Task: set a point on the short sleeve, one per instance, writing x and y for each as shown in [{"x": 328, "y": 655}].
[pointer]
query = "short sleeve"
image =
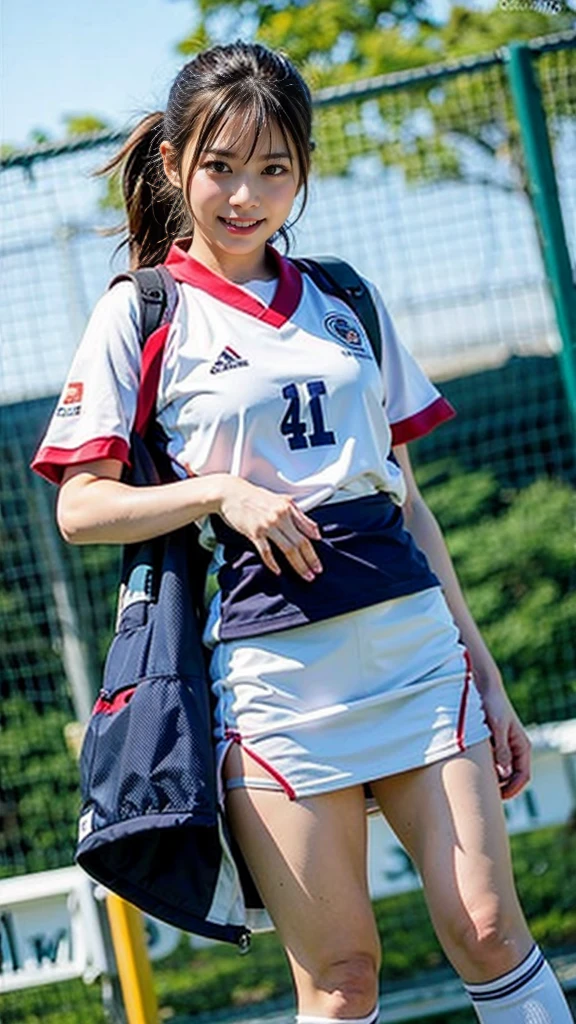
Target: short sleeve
[
  {"x": 413, "y": 405},
  {"x": 97, "y": 407}
]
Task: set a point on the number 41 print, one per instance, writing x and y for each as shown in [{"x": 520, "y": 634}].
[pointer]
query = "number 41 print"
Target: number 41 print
[{"x": 296, "y": 429}]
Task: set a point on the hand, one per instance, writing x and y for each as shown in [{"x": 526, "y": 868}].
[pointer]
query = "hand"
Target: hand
[
  {"x": 264, "y": 516},
  {"x": 510, "y": 742}
]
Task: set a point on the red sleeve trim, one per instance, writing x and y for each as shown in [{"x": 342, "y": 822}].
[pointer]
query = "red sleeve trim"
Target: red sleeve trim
[
  {"x": 51, "y": 462},
  {"x": 421, "y": 423}
]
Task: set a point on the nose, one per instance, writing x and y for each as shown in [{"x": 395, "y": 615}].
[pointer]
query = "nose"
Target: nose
[{"x": 244, "y": 194}]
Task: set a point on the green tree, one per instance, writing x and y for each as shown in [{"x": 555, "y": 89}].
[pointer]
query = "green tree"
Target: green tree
[
  {"x": 459, "y": 129},
  {"x": 335, "y": 41},
  {"x": 84, "y": 124}
]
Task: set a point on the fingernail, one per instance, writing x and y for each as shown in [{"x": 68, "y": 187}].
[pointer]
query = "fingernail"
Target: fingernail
[
  {"x": 309, "y": 576},
  {"x": 504, "y": 770},
  {"x": 317, "y": 567}
]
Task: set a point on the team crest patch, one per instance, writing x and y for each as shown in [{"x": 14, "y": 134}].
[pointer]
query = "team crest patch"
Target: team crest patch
[
  {"x": 71, "y": 403},
  {"x": 344, "y": 329}
]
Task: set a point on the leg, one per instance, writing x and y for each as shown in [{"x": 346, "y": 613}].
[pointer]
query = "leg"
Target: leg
[
  {"x": 449, "y": 817},
  {"x": 308, "y": 859}
]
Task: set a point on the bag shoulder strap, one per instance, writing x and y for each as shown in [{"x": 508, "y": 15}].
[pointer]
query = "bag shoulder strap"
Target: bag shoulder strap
[
  {"x": 157, "y": 295},
  {"x": 336, "y": 277}
]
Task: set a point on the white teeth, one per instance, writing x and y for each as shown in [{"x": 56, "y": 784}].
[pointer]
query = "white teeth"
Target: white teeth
[{"x": 238, "y": 223}]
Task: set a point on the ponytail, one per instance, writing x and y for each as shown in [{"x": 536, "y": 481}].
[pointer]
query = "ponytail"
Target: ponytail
[{"x": 155, "y": 212}]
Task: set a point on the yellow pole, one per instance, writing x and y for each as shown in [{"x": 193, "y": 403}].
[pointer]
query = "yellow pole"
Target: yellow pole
[{"x": 134, "y": 970}]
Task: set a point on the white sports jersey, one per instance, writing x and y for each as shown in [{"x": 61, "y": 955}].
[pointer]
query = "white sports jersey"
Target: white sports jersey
[{"x": 285, "y": 393}]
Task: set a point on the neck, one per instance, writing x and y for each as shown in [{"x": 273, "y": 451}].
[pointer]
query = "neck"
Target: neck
[{"x": 239, "y": 269}]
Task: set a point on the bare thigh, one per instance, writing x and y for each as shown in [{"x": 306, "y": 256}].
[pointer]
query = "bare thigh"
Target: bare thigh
[
  {"x": 308, "y": 860},
  {"x": 449, "y": 817}
]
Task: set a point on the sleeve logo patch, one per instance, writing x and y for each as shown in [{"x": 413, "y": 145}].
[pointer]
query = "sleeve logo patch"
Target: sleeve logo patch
[
  {"x": 344, "y": 329},
  {"x": 73, "y": 393},
  {"x": 71, "y": 403}
]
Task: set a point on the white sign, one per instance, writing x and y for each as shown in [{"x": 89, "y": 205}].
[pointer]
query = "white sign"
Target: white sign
[{"x": 49, "y": 929}]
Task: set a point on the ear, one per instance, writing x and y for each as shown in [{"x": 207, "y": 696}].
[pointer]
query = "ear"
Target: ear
[{"x": 168, "y": 155}]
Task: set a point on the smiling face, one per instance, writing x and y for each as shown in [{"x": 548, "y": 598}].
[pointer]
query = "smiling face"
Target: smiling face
[{"x": 239, "y": 192}]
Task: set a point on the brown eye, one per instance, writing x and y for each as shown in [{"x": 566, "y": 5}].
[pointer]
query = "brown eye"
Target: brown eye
[
  {"x": 218, "y": 166},
  {"x": 275, "y": 170}
]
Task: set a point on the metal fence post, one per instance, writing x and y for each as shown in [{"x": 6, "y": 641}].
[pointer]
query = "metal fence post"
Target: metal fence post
[{"x": 527, "y": 99}]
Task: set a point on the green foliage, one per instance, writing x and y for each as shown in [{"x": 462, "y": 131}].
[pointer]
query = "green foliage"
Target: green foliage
[
  {"x": 112, "y": 197},
  {"x": 39, "y": 137},
  {"x": 518, "y": 570},
  {"x": 69, "y": 1002},
  {"x": 39, "y": 799},
  {"x": 188, "y": 980},
  {"x": 84, "y": 124},
  {"x": 95, "y": 570},
  {"x": 335, "y": 41},
  {"x": 458, "y": 499},
  {"x": 432, "y": 129}
]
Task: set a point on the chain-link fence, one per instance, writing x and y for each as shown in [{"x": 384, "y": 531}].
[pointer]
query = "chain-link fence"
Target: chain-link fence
[{"x": 422, "y": 182}]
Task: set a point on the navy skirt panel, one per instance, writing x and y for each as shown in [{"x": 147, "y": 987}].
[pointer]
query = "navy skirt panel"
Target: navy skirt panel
[{"x": 367, "y": 556}]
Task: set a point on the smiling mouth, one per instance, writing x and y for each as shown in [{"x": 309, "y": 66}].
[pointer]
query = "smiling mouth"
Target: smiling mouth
[{"x": 235, "y": 224}]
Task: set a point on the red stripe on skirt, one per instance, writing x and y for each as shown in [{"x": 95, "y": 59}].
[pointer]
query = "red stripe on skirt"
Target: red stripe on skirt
[
  {"x": 463, "y": 703},
  {"x": 236, "y": 737}
]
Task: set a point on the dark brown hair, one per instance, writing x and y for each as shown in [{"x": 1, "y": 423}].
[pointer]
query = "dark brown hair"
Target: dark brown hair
[{"x": 248, "y": 80}]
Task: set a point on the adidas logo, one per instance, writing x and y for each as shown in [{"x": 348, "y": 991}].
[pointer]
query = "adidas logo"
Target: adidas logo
[{"x": 228, "y": 360}]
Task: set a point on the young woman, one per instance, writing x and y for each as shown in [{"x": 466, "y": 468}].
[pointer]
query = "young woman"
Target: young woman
[{"x": 343, "y": 650}]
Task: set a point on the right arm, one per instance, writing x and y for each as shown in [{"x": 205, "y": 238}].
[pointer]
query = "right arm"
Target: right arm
[{"x": 95, "y": 507}]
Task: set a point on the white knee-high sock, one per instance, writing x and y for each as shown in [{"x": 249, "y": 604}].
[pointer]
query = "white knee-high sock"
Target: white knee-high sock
[
  {"x": 530, "y": 994},
  {"x": 372, "y": 1018}
]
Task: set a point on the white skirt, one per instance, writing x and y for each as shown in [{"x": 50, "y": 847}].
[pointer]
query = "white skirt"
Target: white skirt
[{"x": 350, "y": 699}]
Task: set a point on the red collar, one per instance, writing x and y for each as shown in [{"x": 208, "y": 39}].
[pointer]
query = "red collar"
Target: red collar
[{"x": 184, "y": 267}]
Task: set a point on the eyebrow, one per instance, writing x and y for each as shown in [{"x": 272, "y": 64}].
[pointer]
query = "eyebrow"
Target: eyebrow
[{"x": 267, "y": 156}]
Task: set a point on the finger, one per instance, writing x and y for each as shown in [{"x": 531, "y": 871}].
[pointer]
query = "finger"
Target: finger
[
  {"x": 291, "y": 542},
  {"x": 522, "y": 767},
  {"x": 514, "y": 786},
  {"x": 307, "y": 525},
  {"x": 292, "y": 551},
  {"x": 265, "y": 552},
  {"x": 502, "y": 753}
]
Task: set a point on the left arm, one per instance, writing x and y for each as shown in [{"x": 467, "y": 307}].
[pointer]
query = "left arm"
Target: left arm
[{"x": 509, "y": 739}]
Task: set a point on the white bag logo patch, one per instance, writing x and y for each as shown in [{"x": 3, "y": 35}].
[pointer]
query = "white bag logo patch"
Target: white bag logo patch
[{"x": 86, "y": 824}]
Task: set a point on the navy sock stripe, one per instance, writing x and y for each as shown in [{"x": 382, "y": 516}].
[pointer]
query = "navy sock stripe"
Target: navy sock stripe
[{"x": 511, "y": 987}]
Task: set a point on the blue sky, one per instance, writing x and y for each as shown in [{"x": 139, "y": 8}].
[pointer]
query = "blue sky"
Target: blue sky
[
  {"x": 114, "y": 58},
  {"x": 110, "y": 57}
]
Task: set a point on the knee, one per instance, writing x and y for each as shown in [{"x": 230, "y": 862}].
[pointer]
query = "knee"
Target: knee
[
  {"x": 485, "y": 940},
  {"x": 351, "y": 982}
]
